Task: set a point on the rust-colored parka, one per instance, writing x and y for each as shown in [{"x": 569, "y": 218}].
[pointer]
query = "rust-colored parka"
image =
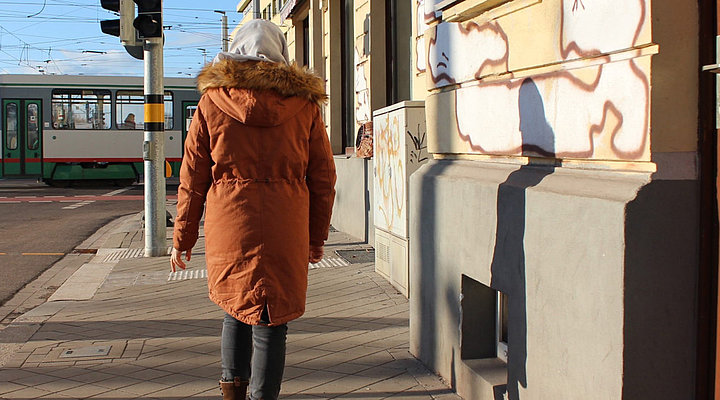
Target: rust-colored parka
[{"x": 258, "y": 156}]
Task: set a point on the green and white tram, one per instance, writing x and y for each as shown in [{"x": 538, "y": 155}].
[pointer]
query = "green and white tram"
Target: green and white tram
[{"x": 62, "y": 128}]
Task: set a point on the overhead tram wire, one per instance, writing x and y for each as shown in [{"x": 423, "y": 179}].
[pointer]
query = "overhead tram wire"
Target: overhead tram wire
[
  {"x": 39, "y": 12},
  {"x": 19, "y": 61},
  {"x": 94, "y": 6},
  {"x": 185, "y": 25}
]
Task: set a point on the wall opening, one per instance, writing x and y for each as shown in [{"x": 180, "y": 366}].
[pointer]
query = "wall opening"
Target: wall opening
[{"x": 483, "y": 328}]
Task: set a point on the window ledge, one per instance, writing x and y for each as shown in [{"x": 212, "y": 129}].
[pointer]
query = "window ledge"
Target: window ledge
[
  {"x": 491, "y": 370},
  {"x": 463, "y": 11}
]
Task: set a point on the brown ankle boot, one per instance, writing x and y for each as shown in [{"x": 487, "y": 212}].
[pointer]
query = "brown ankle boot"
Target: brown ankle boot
[{"x": 235, "y": 389}]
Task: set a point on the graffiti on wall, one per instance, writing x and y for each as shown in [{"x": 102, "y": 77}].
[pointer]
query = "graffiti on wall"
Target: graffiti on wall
[
  {"x": 400, "y": 148},
  {"x": 430, "y": 11},
  {"x": 389, "y": 172},
  {"x": 420, "y": 27},
  {"x": 597, "y": 111},
  {"x": 362, "y": 91},
  {"x": 581, "y": 20},
  {"x": 418, "y": 154}
]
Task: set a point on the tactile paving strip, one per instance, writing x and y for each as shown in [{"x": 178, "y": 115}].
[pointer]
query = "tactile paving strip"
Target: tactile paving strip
[
  {"x": 187, "y": 274},
  {"x": 123, "y": 254}
]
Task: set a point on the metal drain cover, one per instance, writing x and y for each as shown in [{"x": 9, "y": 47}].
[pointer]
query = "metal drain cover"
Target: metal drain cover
[
  {"x": 357, "y": 256},
  {"x": 90, "y": 351}
]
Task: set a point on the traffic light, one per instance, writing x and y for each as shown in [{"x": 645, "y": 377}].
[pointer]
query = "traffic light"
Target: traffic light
[
  {"x": 123, "y": 27},
  {"x": 149, "y": 20}
]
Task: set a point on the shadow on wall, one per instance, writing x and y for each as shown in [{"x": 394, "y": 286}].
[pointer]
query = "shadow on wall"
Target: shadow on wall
[
  {"x": 661, "y": 272},
  {"x": 508, "y": 264}
]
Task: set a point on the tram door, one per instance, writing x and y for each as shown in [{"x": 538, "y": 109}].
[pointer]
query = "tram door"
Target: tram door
[{"x": 22, "y": 137}]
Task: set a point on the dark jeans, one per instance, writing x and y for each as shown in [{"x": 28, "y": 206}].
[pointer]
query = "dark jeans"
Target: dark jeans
[{"x": 256, "y": 352}]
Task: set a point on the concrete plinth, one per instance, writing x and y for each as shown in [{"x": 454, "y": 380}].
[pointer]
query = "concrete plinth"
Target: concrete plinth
[{"x": 598, "y": 268}]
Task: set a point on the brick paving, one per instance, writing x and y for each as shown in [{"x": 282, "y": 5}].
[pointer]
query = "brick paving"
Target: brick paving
[{"x": 134, "y": 331}]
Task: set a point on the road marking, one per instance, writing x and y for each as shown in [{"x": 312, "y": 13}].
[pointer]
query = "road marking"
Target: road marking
[
  {"x": 42, "y": 254},
  {"x": 40, "y": 201},
  {"x": 78, "y": 205},
  {"x": 78, "y": 199},
  {"x": 114, "y": 192}
]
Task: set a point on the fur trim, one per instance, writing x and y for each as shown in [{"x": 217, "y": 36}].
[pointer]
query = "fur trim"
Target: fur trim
[{"x": 286, "y": 80}]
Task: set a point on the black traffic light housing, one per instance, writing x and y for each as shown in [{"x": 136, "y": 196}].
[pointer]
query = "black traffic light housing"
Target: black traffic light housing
[
  {"x": 149, "y": 20},
  {"x": 111, "y": 26},
  {"x": 123, "y": 27}
]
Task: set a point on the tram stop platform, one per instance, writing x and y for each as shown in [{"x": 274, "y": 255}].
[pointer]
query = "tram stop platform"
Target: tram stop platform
[{"x": 121, "y": 326}]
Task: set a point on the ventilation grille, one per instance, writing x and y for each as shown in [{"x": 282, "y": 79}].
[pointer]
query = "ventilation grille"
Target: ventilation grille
[
  {"x": 359, "y": 256},
  {"x": 382, "y": 251}
]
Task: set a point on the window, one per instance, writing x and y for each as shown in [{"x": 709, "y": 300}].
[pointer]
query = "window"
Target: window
[
  {"x": 130, "y": 110},
  {"x": 306, "y": 41},
  {"x": 11, "y": 126},
  {"x": 398, "y": 65},
  {"x": 347, "y": 53},
  {"x": 33, "y": 130},
  {"x": 267, "y": 12},
  {"x": 81, "y": 109},
  {"x": 189, "y": 114}
]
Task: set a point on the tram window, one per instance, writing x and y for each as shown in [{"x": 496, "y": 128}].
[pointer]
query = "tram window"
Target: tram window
[
  {"x": 11, "y": 126},
  {"x": 130, "y": 109},
  {"x": 81, "y": 109},
  {"x": 33, "y": 131}
]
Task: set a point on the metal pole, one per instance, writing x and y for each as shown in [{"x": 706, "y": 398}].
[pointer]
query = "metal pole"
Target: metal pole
[
  {"x": 154, "y": 150},
  {"x": 224, "y": 33}
]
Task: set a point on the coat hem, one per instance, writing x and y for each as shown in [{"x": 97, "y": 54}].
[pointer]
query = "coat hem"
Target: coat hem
[{"x": 254, "y": 321}]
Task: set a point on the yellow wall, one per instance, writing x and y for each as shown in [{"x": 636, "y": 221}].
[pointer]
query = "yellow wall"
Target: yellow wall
[{"x": 675, "y": 76}]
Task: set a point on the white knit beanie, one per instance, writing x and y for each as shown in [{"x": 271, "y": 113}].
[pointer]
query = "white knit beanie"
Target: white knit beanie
[{"x": 257, "y": 40}]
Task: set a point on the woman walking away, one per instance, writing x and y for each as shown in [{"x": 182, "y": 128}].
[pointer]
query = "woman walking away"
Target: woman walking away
[{"x": 257, "y": 156}]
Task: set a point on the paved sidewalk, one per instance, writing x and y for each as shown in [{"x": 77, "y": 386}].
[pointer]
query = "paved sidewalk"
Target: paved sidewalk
[{"x": 122, "y": 327}]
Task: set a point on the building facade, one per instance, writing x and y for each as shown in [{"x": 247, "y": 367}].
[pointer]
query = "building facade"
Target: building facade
[{"x": 563, "y": 233}]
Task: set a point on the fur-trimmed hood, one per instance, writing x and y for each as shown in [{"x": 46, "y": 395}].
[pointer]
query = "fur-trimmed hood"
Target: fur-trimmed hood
[
  {"x": 260, "y": 93},
  {"x": 286, "y": 80}
]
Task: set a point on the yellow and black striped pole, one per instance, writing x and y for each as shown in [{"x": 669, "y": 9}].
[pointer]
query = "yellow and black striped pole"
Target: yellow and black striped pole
[
  {"x": 154, "y": 149},
  {"x": 154, "y": 113}
]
